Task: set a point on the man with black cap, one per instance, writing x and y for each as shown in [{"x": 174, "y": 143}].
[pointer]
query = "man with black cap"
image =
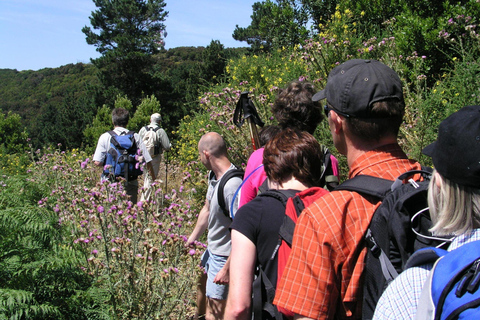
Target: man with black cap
[{"x": 323, "y": 277}]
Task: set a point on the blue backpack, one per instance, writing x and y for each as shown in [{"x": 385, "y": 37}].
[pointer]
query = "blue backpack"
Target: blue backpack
[
  {"x": 451, "y": 290},
  {"x": 122, "y": 157}
]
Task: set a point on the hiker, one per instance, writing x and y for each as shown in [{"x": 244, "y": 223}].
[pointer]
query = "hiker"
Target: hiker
[
  {"x": 293, "y": 108},
  {"x": 454, "y": 201},
  {"x": 156, "y": 141},
  {"x": 323, "y": 276},
  {"x": 120, "y": 119},
  {"x": 291, "y": 161},
  {"x": 254, "y": 169},
  {"x": 213, "y": 155}
]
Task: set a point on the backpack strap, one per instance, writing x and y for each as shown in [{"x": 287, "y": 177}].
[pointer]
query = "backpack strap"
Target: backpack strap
[
  {"x": 263, "y": 293},
  {"x": 328, "y": 180},
  {"x": 286, "y": 229},
  {"x": 367, "y": 185},
  {"x": 236, "y": 172},
  {"x": 263, "y": 187},
  {"x": 241, "y": 185},
  {"x": 377, "y": 188}
]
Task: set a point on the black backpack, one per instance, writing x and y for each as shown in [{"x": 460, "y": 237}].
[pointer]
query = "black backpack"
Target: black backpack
[
  {"x": 236, "y": 172},
  {"x": 399, "y": 227},
  {"x": 263, "y": 291}
]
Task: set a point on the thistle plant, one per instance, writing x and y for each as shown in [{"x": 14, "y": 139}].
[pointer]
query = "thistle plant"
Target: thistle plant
[{"x": 134, "y": 252}]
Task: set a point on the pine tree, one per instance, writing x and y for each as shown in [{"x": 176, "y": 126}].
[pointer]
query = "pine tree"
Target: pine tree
[{"x": 129, "y": 33}]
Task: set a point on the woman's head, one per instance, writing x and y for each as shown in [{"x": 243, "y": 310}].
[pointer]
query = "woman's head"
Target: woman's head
[
  {"x": 454, "y": 191},
  {"x": 294, "y": 108},
  {"x": 454, "y": 209},
  {"x": 293, "y": 153}
]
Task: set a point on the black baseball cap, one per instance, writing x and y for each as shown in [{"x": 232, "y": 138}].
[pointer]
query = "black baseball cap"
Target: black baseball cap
[
  {"x": 456, "y": 153},
  {"x": 354, "y": 85}
]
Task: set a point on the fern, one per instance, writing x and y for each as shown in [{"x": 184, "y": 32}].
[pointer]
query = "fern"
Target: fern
[{"x": 20, "y": 304}]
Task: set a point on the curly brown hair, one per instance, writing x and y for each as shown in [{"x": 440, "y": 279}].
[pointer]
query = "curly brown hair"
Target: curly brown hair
[{"x": 294, "y": 108}]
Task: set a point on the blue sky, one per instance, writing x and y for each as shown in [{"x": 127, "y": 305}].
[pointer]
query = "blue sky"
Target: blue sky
[{"x": 36, "y": 34}]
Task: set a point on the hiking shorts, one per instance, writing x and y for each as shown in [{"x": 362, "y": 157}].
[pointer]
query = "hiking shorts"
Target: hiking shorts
[{"x": 213, "y": 265}]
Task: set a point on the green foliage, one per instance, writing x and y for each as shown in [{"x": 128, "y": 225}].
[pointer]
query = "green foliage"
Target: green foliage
[
  {"x": 54, "y": 105},
  {"x": 13, "y": 136},
  {"x": 127, "y": 26},
  {"x": 274, "y": 25},
  {"x": 39, "y": 277},
  {"x": 147, "y": 107},
  {"x": 129, "y": 33},
  {"x": 101, "y": 123}
]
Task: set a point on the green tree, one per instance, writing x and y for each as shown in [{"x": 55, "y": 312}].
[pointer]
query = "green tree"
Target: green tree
[
  {"x": 274, "y": 25},
  {"x": 147, "y": 107},
  {"x": 130, "y": 32},
  {"x": 214, "y": 61},
  {"x": 12, "y": 133}
]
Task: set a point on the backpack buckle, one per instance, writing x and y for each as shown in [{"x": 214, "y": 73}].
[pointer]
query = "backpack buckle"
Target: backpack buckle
[{"x": 372, "y": 244}]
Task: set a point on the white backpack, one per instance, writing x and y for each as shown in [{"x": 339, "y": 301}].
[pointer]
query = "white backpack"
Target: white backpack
[{"x": 150, "y": 139}]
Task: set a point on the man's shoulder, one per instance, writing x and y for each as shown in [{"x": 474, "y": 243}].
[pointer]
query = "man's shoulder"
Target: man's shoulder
[{"x": 233, "y": 182}]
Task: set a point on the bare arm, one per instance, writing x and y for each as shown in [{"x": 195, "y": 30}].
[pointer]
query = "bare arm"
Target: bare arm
[
  {"x": 223, "y": 276},
  {"x": 201, "y": 226},
  {"x": 242, "y": 269}
]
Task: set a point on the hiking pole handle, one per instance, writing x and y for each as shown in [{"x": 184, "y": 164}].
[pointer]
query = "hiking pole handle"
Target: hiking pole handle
[{"x": 245, "y": 110}]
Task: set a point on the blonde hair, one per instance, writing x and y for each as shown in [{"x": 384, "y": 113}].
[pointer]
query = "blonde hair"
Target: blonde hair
[{"x": 454, "y": 209}]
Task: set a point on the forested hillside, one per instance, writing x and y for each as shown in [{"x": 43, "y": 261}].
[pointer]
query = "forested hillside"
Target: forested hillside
[{"x": 57, "y": 104}]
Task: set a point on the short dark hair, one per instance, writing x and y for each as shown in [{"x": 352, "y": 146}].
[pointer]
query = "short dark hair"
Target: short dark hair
[
  {"x": 267, "y": 133},
  {"x": 386, "y": 119},
  {"x": 120, "y": 117},
  {"x": 293, "y": 152},
  {"x": 294, "y": 108}
]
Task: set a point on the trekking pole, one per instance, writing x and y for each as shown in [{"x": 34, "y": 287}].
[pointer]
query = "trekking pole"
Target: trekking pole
[
  {"x": 246, "y": 106},
  {"x": 166, "y": 171}
]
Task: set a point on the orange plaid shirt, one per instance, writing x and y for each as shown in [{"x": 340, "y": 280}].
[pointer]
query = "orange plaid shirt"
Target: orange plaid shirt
[{"x": 323, "y": 276}]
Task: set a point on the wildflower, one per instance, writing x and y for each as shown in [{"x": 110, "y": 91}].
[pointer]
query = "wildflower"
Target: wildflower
[
  {"x": 191, "y": 252},
  {"x": 100, "y": 209}
]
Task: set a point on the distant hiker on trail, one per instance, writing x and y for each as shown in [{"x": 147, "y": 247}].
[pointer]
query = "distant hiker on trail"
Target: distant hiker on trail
[
  {"x": 454, "y": 202},
  {"x": 118, "y": 152},
  {"x": 292, "y": 161},
  {"x": 216, "y": 218},
  {"x": 156, "y": 141},
  {"x": 323, "y": 276}
]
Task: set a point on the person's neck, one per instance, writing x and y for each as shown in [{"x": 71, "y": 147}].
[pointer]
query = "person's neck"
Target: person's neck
[
  {"x": 220, "y": 166},
  {"x": 355, "y": 150},
  {"x": 291, "y": 184}
]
